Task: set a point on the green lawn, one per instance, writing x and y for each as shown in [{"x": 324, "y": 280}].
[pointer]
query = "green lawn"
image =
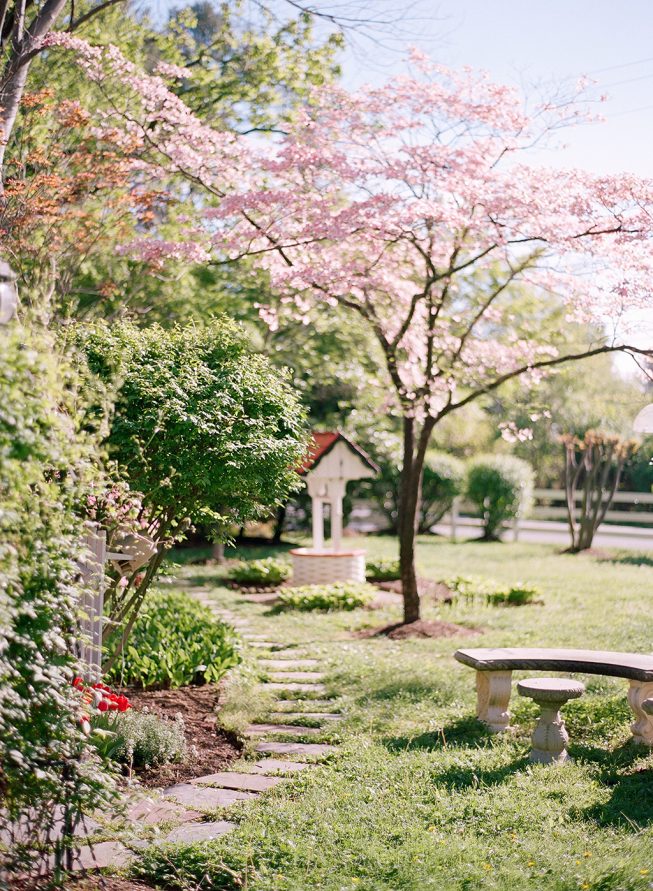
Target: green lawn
[{"x": 419, "y": 795}]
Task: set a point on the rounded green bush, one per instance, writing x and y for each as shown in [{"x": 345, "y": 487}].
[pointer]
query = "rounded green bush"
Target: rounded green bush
[
  {"x": 268, "y": 571},
  {"x": 501, "y": 486},
  {"x": 442, "y": 480},
  {"x": 327, "y": 598}
]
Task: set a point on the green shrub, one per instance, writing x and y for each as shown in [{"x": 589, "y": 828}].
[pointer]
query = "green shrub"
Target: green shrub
[
  {"x": 443, "y": 479},
  {"x": 327, "y": 598},
  {"x": 139, "y": 739},
  {"x": 175, "y": 641},
  {"x": 204, "y": 428},
  {"x": 472, "y": 588},
  {"x": 501, "y": 486},
  {"x": 49, "y": 775},
  {"x": 268, "y": 571},
  {"x": 383, "y": 570}
]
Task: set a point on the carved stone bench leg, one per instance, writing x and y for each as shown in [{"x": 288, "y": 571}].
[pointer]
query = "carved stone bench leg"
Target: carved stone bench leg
[
  {"x": 643, "y": 725},
  {"x": 493, "y": 690}
]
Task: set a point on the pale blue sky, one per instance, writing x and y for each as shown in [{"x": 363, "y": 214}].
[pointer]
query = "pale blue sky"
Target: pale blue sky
[{"x": 523, "y": 43}]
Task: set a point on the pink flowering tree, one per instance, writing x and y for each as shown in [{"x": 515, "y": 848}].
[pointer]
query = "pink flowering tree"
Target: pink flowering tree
[{"x": 414, "y": 206}]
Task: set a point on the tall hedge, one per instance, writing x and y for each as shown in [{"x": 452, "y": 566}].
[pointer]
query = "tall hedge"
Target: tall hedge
[{"x": 48, "y": 774}]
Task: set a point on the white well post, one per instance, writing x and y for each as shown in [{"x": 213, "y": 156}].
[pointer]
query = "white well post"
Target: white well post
[{"x": 327, "y": 479}]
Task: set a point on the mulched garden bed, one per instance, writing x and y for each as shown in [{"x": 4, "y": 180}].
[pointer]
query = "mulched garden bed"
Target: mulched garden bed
[
  {"x": 421, "y": 628},
  {"x": 251, "y": 587},
  {"x": 83, "y": 883},
  {"x": 210, "y": 748}
]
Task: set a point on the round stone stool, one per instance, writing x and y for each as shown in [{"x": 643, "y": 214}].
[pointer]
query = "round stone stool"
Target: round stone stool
[{"x": 550, "y": 737}]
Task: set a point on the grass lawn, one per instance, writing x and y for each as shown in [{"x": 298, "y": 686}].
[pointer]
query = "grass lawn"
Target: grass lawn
[{"x": 419, "y": 796}]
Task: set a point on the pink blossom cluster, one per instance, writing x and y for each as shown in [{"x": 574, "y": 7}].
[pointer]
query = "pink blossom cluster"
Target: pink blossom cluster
[{"x": 412, "y": 204}]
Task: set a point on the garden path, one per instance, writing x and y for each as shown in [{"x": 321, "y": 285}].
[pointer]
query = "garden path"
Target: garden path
[{"x": 184, "y": 809}]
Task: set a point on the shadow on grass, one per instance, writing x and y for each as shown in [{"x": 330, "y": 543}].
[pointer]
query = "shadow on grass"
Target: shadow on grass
[
  {"x": 630, "y": 805},
  {"x": 631, "y": 560},
  {"x": 467, "y": 733}
]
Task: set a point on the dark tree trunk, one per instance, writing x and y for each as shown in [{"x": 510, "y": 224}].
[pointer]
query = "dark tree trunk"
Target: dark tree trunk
[
  {"x": 278, "y": 526},
  {"x": 414, "y": 452}
]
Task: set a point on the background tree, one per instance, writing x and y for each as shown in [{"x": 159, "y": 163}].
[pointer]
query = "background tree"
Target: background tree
[
  {"x": 407, "y": 204},
  {"x": 593, "y": 467}
]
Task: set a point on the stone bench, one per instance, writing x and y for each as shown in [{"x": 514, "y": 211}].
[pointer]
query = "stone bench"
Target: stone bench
[{"x": 494, "y": 668}]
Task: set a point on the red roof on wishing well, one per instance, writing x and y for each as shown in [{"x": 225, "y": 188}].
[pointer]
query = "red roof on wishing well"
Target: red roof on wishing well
[{"x": 322, "y": 443}]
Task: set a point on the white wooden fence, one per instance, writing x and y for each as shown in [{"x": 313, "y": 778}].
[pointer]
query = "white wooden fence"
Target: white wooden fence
[
  {"x": 92, "y": 605},
  {"x": 550, "y": 504}
]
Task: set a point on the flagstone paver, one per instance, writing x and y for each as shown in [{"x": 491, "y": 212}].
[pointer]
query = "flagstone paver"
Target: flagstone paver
[
  {"x": 278, "y": 676},
  {"x": 194, "y": 832},
  {"x": 205, "y": 798},
  {"x": 149, "y": 812},
  {"x": 289, "y": 664},
  {"x": 313, "y": 716},
  {"x": 247, "y": 782},
  {"x": 103, "y": 855},
  {"x": 293, "y": 748},
  {"x": 284, "y": 705},
  {"x": 275, "y": 765},
  {"x": 298, "y": 730},
  {"x": 293, "y": 687}
]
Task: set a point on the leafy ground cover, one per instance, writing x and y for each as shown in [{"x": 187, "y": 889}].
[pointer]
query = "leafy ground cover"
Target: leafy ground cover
[{"x": 419, "y": 796}]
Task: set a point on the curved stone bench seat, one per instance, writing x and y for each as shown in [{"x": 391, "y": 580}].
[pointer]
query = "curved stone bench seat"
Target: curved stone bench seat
[
  {"x": 494, "y": 667},
  {"x": 550, "y": 736}
]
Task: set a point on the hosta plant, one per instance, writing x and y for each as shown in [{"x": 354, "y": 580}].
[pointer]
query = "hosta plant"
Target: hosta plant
[{"x": 176, "y": 641}]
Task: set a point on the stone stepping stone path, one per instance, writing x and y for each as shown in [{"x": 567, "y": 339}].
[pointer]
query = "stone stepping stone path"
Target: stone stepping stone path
[
  {"x": 287, "y": 671},
  {"x": 275, "y": 765},
  {"x": 293, "y": 748},
  {"x": 289, "y": 664},
  {"x": 281, "y": 676},
  {"x": 206, "y": 798},
  {"x": 295, "y": 687},
  {"x": 246, "y": 782},
  {"x": 296, "y": 729},
  {"x": 284, "y": 705},
  {"x": 194, "y": 832}
]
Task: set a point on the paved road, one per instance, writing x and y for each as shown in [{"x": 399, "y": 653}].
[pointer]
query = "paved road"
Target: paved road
[{"x": 551, "y": 532}]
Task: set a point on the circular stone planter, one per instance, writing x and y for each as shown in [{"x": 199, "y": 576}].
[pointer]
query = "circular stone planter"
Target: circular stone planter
[{"x": 321, "y": 567}]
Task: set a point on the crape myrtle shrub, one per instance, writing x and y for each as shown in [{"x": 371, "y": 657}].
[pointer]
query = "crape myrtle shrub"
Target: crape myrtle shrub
[
  {"x": 48, "y": 772},
  {"x": 206, "y": 430},
  {"x": 501, "y": 486}
]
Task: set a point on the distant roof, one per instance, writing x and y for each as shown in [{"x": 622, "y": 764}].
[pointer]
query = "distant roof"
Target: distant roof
[{"x": 322, "y": 445}]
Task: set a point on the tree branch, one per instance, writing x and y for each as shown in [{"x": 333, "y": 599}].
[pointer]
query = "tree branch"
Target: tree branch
[{"x": 544, "y": 363}]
